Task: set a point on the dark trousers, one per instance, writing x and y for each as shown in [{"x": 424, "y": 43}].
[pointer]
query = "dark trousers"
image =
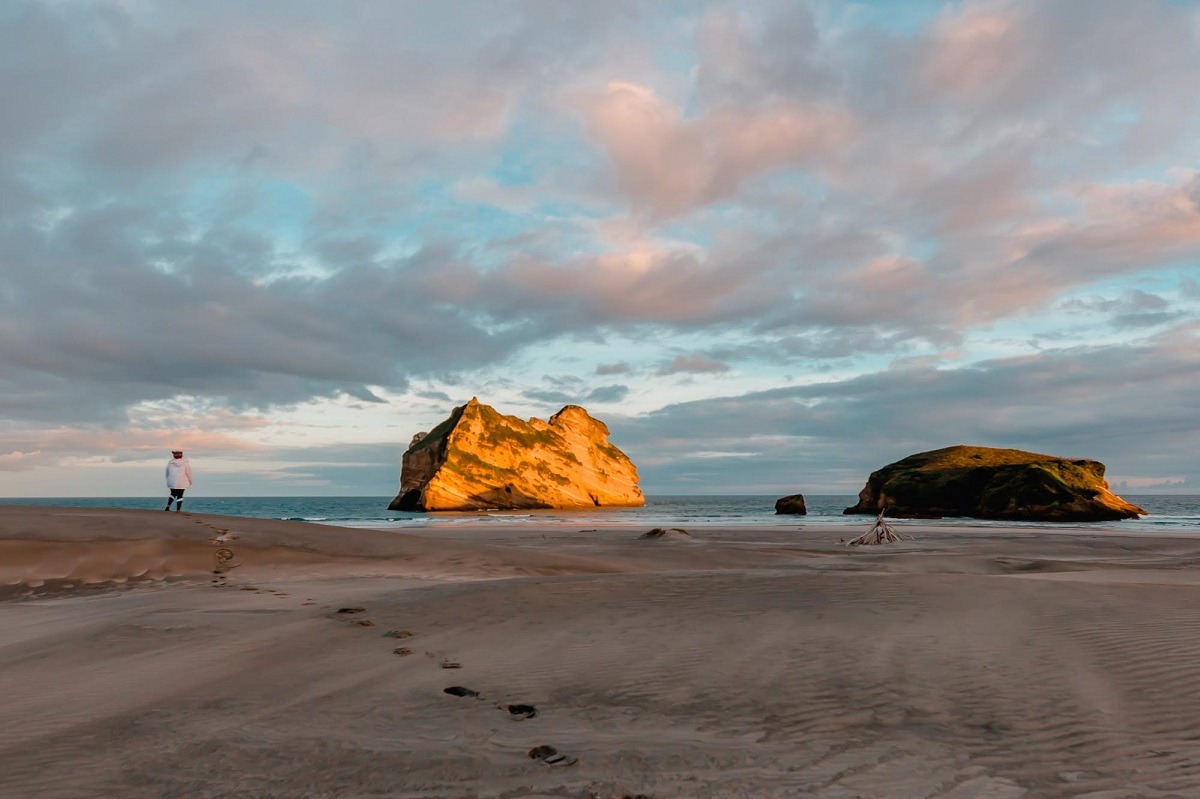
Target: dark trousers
[{"x": 177, "y": 497}]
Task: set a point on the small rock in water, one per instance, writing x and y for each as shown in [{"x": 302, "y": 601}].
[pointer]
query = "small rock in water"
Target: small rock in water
[{"x": 791, "y": 504}]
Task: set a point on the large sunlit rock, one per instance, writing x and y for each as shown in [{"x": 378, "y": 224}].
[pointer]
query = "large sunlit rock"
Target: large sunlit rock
[{"x": 479, "y": 458}]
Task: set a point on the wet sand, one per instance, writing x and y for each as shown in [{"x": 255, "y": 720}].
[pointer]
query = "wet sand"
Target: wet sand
[{"x": 972, "y": 662}]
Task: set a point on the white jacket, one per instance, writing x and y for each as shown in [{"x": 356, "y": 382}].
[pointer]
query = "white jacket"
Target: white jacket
[{"x": 179, "y": 473}]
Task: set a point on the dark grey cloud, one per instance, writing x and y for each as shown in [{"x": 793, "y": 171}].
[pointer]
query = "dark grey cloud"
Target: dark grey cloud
[
  {"x": 567, "y": 390},
  {"x": 1190, "y": 289},
  {"x": 1132, "y": 406},
  {"x": 1134, "y": 309},
  {"x": 608, "y": 394},
  {"x": 91, "y": 305}
]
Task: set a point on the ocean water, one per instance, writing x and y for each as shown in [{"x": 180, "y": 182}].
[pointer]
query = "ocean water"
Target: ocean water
[{"x": 1166, "y": 513}]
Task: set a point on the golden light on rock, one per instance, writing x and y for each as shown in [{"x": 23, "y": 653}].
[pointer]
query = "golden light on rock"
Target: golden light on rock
[{"x": 481, "y": 459}]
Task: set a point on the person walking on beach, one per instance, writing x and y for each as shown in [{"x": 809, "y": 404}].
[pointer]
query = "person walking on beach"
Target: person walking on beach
[{"x": 179, "y": 478}]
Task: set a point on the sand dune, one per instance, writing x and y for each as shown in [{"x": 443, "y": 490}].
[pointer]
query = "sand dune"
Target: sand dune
[{"x": 753, "y": 663}]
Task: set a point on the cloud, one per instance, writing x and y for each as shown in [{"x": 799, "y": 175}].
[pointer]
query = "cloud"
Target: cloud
[
  {"x": 17, "y": 461},
  {"x": 143, "y": 87},
  {"x": 749, "y": 58},
  {"x": 668, "y": 165},
  {"x": 256, "y": 207},
  {"x": 152, "y": 433},
  {"x": 619, "y": 368},
  {"x": 129, "y": 330},
  {"x": 644, "y": 283},
  {"x": 575, "y": 391},
  {"x": 971, "y": 47},
  {"x": 1136, "y": 308},
  {"x": 692, "y": 364},
  {"x": 1189, "y": 289},
  {"x": 1071, "y": 402},
  {"x": 608, "y": 394}
]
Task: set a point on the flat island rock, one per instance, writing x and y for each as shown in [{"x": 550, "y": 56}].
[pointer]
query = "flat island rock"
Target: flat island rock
[
  {"x": 481, "y": 459},
  {"x": 990, "y": 483}
]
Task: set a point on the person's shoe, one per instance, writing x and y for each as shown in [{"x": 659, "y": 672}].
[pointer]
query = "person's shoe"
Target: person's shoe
[{"x": 177, "y": 509}]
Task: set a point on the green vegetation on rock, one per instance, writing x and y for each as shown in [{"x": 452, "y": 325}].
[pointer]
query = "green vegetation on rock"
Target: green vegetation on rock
[
  {"x": 440, "y": 431},
  {"x": 991, "y": 483}
]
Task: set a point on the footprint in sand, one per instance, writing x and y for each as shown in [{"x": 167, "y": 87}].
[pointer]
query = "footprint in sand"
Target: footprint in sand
[
  {"x": 551, "y": 756},
  {"x": 397, "y": 634},
  {"x": 446, "y": 663},
  {"x": 460, "y": 690},
  {"x": 671, "y": 532},
  {"x": 520, "y": 712},
  {"x": 402, "y": 651},
  {"x": 351, "y": 610}
]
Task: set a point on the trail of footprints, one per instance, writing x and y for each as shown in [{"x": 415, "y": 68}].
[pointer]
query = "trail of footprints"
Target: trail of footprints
[
  {"x": 543, "y": 753},
  {"x": 224, "y": 560}
]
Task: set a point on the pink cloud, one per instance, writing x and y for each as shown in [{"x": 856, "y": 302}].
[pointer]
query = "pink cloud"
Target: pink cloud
[
  {"x": 17, "y": 461},
  {"x": 1118, "y": 228},
  {"x": 151, "y": 433},
  {"x": 971, "y": 47},
  {"x": 692, "y": 364},
  {"x": 1144, "y": 218},
  {"x": 667, "y": 164},
  {"x": 643, "y": 282}
]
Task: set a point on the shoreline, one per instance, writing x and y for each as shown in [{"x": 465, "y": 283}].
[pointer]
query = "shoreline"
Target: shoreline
[
  {"x": 1174, "y": 513},
  {"x": 47, "y": 546},
  {"x": 972, "y": 663}
]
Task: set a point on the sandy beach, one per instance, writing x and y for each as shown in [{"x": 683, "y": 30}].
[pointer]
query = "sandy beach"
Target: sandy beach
[{"x": 972, "y": 662}]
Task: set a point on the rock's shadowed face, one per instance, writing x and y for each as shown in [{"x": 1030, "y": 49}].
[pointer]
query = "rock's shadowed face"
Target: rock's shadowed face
[{"x": 991, "y": 483}]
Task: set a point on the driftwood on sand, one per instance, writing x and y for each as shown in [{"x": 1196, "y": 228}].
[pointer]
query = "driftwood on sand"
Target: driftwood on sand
[{"x": 880, "y": 533}]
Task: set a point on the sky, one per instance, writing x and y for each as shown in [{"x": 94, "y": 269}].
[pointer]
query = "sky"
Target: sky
[{"x": 773, "y": 245}]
